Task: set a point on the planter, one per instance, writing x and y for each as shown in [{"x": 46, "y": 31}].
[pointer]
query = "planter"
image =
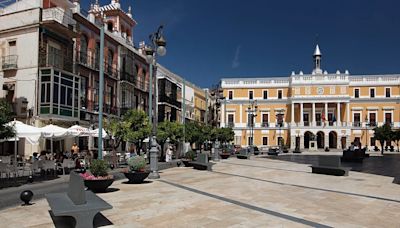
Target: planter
[
  {"x": 98, "y": 185},
  {"x": 224, "y": 155},
  {"x": 136, "y": 177},
  {"x": 187, "y": 163}
]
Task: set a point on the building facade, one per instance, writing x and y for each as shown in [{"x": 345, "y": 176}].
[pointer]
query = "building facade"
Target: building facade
[{"x": 332, "y": 110}]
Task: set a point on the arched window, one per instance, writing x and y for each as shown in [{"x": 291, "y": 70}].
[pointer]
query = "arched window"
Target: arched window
[{"x": 110, "y": 58}]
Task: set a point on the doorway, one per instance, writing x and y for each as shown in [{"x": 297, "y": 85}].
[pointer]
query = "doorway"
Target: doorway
[{"x": 320, "y": 140}]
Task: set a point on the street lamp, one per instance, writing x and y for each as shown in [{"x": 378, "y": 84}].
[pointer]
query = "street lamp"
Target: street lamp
[
  {"x": 157, "y": 43},
  {"x": 366, "y": 132},
  {"x": 252, "y": 111}
]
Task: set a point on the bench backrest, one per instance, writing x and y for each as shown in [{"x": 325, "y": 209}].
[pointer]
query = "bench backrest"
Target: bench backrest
[
  {"x": 329, "y": 161},
  {"x": 202, "y": 158},
  {"x": 76, "y": 189}
]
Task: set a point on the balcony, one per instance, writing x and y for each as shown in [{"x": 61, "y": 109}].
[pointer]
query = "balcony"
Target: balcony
[
  {"x": 306, "y": 123},
  {"x": 389, "y": 124},
  {"x": 372, "y": 124},
  {"x": 231, "y": 124},
  {"x": 169, "y": 100},
  {"x": 356, "y": 124},
  {"x": 264, "y": 124},
  {"x": 319, "y": 123},
  {"x": 88, "y": 58},
  {"x": 142, "y": 85},
  {"x": 57, "y": 60},
  {"x": 110, "y": 70},
  {"x": 128, "y": 77},
  {"x": 107, "y": 109},
  {"x": 330, "y": 123},
  {"x": 250, "y": 125},
  {"x": 9, "y": 62},
  {"x": 59, "y": 15},
  {"x": 280, "y": 124}
]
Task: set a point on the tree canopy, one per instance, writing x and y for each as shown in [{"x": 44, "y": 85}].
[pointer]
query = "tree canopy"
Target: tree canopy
[
  {"x": 382, "y": 134},
  {"x": 6, "y": 131},
  {"x": 133, "y": 127},
  {"x": 171, "y": 130}
]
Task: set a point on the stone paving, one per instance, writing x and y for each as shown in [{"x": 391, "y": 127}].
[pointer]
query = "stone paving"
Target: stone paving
[{"x": 241, "y": 193}]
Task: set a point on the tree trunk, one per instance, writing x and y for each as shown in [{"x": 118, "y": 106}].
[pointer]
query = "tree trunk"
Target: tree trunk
[{"x": 382, "y": 142}]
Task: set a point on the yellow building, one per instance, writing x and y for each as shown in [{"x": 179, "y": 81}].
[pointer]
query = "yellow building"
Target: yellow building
[
  {"x": 328, "y": 110},
  {"x": 200, "y": 105}
]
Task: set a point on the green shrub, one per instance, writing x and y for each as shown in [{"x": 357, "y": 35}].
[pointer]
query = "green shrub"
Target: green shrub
[
  {"x": 137, "y": 163},
  {"x": 99, "y": 168},
  {"x": 190, "y": 155}
]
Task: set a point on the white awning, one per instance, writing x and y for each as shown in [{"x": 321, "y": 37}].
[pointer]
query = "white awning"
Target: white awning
[{"x": 30, "y": 133}]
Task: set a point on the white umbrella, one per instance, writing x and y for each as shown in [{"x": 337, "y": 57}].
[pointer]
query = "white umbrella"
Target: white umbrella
[
  {"x": 30, "y": 133},
  {"x": 77, "y": 130},
  {"x": 95, "y": 133},
  {"x": 53, "y": 131}
]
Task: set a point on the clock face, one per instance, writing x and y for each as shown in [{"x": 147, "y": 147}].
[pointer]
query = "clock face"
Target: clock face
[{"x": 320, "y": 90}]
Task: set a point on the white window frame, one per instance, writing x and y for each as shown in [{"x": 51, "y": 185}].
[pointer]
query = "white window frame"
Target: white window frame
[
  {"x": 227, "y": 119},
  {"x": 355, "y": 112},
  {"x": 277, "y": 94},
  {"x": 376, "y": 116},
  {"x": 359, "y": 92},
  {"x": 390, "y": 92},
  {"x": 232, "y": 94},
  {"x": 263, "y": 140},
  {"x": 269, "y": 116},
  {"x": 391, "y": 116},
  {"x": 369, "y": 91},
  {"x": 265, "y": 90},
  {"x": 248, "y": 94}
]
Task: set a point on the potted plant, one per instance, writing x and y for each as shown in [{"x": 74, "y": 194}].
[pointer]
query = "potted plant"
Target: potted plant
[
  {"x": 225, "y": 154},
  {"x": 391, "y": 148},
  {"x": 98, "y": 179},
  {"x": 285, "y": 149},
  {"x": 189, "y": 156},
  {"x": 136, "y": 172},
  {"x": 376, "y": 148},
  {"x": 326, "y": 149}
]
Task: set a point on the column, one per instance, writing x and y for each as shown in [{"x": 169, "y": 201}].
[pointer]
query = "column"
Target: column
[
  {"x": 313, "y": 115},
  {"x": 292, "y": 113},
  {"x": 326, "y": 112},
  {"x": 338, "y": 115},
  {"x": 292, "y": 141},
  {"x": 301, "y": 115},
  {"x": 348, "y": 113}
]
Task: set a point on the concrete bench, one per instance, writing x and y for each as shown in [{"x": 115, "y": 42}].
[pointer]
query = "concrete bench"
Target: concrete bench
[
  {"x": 243, "y": 154},
  {"x": 80, "y": 204},
  {"x": 330, "y": 165},
  {"x": 273, "y": 151},
  {"x": 354, "y": 156},
  {"x": 202, "y": 163}
]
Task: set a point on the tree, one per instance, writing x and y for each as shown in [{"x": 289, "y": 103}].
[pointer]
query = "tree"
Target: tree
[
  {"x": 195, "y": 134},
  {"x": 133, "y": 127},
  {"x": 6, "y": 131},
  {"x": 171, "y": 130},
  {"x": 396, "y": 138},
  {"x": 224, "y": 135},
  {"x": 382, "y": 134}
]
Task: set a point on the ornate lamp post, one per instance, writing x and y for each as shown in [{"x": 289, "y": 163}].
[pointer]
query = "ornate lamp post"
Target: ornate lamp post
[
  {"x": 252, "y": 111},
  {"x": 157, "y": 43},
  {"x": 366, "y": 131}
]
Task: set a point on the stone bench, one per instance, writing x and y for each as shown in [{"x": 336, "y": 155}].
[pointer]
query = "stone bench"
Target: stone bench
[
  {"x": 354, "y": 156},
  {"x": 273, "y": 151},
  {"x": 330, "y": 165},
  {"x": 80, "y": 204},
  {"x": 243, "y": 154},
  {"x": 202, "y": 163}
]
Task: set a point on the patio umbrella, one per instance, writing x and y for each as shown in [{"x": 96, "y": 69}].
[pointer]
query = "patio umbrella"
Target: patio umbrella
[
  {"x": 53, "y": 131},
  {"x": 95, "y": 133},
  {"x": 30, "y": 133},
  {"x": 77, "y": 130}
]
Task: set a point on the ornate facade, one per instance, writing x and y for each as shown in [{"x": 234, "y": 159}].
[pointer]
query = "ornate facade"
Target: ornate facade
[{"x": 334, "y": 109}]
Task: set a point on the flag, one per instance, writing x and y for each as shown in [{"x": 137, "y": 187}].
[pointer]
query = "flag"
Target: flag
[
  {"x": 334, "y": 118},
  {"x": 323, "y": 117}
]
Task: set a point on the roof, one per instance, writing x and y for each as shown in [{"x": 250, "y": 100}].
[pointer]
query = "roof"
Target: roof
[{"x": 317, "y": 52}]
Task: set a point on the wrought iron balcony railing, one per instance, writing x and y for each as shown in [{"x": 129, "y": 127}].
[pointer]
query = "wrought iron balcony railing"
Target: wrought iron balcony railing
[{"x": 9, "y": 62}]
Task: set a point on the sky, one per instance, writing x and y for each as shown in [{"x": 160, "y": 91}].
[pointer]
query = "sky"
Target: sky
[{"x": 212, "y": 39}]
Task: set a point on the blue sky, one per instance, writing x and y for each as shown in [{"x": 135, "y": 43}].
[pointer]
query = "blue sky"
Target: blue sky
[{"x": 211, "y": 39}]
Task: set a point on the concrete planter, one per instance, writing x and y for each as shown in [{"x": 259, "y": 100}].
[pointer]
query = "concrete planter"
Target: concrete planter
[
  {"x": 98, "y": 185},
  {"x": 136, "y": 177},
  {"x": 224, "y": 155}
]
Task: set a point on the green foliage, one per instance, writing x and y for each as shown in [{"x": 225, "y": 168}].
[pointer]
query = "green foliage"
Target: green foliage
[
  {"x": 224, "y": 135},
  {"x": 195, "y": 133},
  {"x": 137, "y": 163},
  {"x": 382, "y": 134},
  {"x": 190, "y": 155},
  {"x": 171, "y": 130},
  {"x": 396, "y": 138},
  {"x": 133, "y": 127},
  {"x": 6, "y": 131},
  {"x": 99, "y": 168}
]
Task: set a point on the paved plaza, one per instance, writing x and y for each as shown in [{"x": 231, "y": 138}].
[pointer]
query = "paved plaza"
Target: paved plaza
[{"x": 259, "y": 192}]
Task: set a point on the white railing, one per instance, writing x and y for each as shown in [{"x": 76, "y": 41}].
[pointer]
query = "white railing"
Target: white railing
[{"x": 59, "y": 15}]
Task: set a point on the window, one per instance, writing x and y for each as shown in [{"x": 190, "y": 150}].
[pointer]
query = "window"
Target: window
[
  {"x": 356, "y": 119},
  {"x": 356, "y": 93},
  {"x": 387, "y": 92},
  {"x": 372, "y": 119},
  {"x": 12, "y": 47},
  {"x": 265, "y": 94},
  {"x": 265, "y": 141},
  {"x": 372, "y": 92},
  {"x": 279, "y": 118},
  {"x": 265, "y": 120},
  {"x": 251, "y": 95},
  {"x": 230, "y": 95},
  {"x": 230, "y": 120},
  {"x": 279, "y": 94},
  {"x": 388, "y": 118},
  {"x": 110, "y": 26}
]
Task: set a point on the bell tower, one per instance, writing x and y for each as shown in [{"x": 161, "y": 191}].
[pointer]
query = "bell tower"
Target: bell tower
[{"x": 317, "y": 61}]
